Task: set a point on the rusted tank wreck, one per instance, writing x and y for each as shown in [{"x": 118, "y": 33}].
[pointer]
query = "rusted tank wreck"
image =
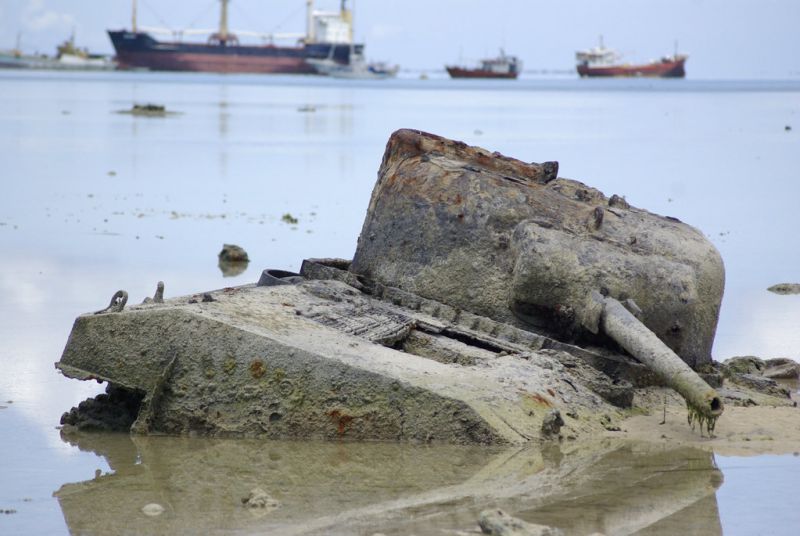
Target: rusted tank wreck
[{"x": 488, "y": 301}]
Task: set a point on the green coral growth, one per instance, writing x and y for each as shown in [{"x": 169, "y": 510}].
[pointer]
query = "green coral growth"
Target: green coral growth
[{"x": 697, "y": 416}]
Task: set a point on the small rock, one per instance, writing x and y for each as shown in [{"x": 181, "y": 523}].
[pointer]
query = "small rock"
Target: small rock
[
  {"x": 761, "y": 384},
  {"x": 259, "y": 498},
  {"x": 618, "y": 202},
  {"x": 782, "y": 369},
  {"x": 233, "y": 253},
  {"x": 552, "y": 423},
  {"x": 233, "y": 260},
  {"x": 498, "y": 523},
  {"x": 747, "y": 364},
  {"x": 713, "y": 379},
  {"x": 152, "y": 509}
]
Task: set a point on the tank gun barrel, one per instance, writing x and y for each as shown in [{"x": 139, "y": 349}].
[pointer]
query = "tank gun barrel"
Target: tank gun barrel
[{"x": 623, "y": 327}]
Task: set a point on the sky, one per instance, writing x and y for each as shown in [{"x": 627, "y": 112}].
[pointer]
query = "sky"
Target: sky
[{"x": 727, "y": 39}]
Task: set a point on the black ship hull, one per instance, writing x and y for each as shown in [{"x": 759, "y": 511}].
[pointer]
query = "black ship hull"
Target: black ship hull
[{"x": 139, "y": 50}]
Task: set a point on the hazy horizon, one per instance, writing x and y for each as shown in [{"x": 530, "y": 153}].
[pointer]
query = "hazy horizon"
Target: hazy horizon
[{"x": 724, "y": 39}]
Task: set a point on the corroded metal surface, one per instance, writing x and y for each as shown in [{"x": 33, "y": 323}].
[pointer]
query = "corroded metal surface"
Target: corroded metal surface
[
  {"x": 508, "y": 240},
  {"x": 321, "y": 359}
]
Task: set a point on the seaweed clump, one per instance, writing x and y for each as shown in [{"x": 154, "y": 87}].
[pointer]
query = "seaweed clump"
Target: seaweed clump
[
  {"x": 696, "y": 416},
  {"x": 112, "y": 411}
]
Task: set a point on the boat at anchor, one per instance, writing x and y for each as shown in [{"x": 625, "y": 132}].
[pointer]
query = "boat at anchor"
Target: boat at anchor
[
  {"x": 503, "y": 66},
  {"x": 328, "y": 35},
  {"x": 601, "y": 61},
  {"x": 357, "y": 69}
]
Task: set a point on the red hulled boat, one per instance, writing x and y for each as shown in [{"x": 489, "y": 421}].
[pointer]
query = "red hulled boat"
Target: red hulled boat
[{"x": 605, "y": 62}]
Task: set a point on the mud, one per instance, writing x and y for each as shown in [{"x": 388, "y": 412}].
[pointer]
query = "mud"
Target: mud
[{"x": 753, "y": 423}]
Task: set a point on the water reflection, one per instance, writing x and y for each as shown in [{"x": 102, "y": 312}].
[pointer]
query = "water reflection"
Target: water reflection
[
  {"x": 349, "y": 488},
  {"x": 232, "y": 269}
]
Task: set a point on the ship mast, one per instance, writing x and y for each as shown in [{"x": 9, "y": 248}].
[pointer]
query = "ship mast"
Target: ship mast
[
  {"x": 223, "y": 21},
  {"x": 133, "y": 17},
  {"x": 347, "y": 16},
  {"x": 310, "y": 38}
]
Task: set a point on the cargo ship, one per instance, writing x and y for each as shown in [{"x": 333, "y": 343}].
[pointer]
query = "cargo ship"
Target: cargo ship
[
  {"x": 502, "y": 66},
  {"x": 329, "y": 35},
  {"x": 600, "y": 61}
]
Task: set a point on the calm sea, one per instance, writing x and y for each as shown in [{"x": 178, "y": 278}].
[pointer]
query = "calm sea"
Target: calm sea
[{"x": 94, "y": 200}]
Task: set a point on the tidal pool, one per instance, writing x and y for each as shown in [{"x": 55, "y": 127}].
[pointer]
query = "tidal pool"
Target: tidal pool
[{"x": 94, "y": 201}]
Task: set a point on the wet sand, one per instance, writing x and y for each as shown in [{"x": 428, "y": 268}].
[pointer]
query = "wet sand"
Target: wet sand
[{"x": 740, "y": 431}]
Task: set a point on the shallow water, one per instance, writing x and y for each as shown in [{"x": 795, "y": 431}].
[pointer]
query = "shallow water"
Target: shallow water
[{"x": 94, "y": 201}]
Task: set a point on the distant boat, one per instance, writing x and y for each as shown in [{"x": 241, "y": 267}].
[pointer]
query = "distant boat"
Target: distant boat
[
  {"x": 600, "y": 61},
  {"x": 68, "y": 57},
  {"x": 357, "y": 68},
  {"x": 328, "y": 35},
  {"x": 502, "y": 66}
]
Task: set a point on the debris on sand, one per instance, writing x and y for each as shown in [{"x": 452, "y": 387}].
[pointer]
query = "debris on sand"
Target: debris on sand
[
  {"x": 785, "y": 288},
  {"x": 152, "y": 509},
  {"x": 259, "y": 498},
  {"x": 498, "y": 523}
]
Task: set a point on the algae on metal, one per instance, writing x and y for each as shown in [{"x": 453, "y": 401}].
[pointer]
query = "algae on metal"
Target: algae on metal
[
  {"x": 512, "y": 241},
  {"x": 317, "y": 360}
]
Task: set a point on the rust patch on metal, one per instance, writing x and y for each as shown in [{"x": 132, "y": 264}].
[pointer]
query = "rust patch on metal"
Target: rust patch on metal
[
  {"x": 342, "y": 420},
  {"x": 536, "y": 398},
  {"x": 257, "y": 368}
]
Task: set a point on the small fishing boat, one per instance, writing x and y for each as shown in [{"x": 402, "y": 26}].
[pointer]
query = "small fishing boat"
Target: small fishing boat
[
  {"x": 69, "y": 57},
  {"x": 358, "y": 68}
]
